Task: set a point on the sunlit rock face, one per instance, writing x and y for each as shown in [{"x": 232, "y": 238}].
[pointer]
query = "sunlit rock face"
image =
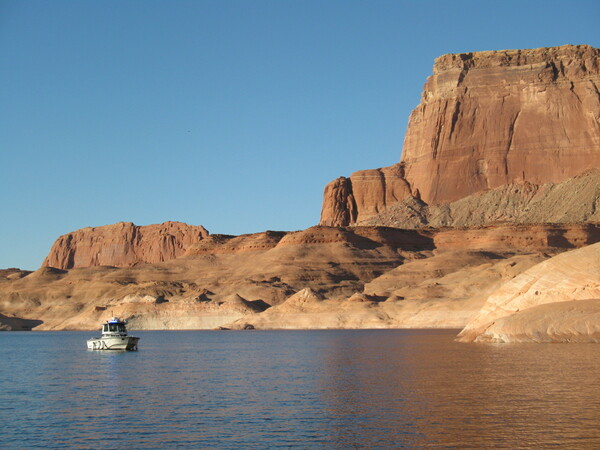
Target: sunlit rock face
[
  {"x": 489, "y": 119},
  {"x": 123, "y": 244},
  {"x": 362, "y": 277}
]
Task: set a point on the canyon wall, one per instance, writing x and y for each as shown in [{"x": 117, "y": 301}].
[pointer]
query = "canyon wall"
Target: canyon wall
[
  {"x": 486, "y": 119},
  {"x": 500, "y": 172},
  {"x": 123, "y": 244}
]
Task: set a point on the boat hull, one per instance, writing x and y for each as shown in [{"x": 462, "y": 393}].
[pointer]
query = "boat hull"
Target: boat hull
[{"x": 113, "y": 343}]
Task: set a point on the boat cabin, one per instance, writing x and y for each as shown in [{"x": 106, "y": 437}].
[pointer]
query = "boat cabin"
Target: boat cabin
[
  {"x": 114, "y": 337},
  {"x": 114, "y": 326}
]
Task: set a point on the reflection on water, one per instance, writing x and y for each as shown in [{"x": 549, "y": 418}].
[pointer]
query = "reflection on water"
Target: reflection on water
[{"x": 385, "y": 388}]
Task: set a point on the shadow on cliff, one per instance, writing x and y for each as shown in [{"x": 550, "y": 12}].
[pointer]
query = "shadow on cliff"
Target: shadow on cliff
[
  {"x": 559, "y": 239},
  {"x": 368, "y": 238},
  {"x": 18, "y": 324}
]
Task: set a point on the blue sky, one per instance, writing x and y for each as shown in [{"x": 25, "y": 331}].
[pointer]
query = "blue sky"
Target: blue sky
[{"x": 232, "y": 114}]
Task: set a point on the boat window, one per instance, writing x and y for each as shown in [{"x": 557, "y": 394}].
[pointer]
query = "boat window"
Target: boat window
[
  {"x": 112, "y": 327},
  {"x": 105, "y": 327},
  {"x": 121, "y": 328}
]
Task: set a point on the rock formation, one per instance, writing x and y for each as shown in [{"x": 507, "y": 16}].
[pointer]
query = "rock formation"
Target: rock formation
[
  {"x": 17, "y": 324},
  {"x": 500, "y": 173},
  {"x": 209, "y": 286},
  {"x": 486, "y": 120},
  {"x": 123, "y": 244},
  {"x": 364, "y": 194},
  {"x": 576, "y": 200},
  {"x": 542, "y": 303},
  {"x": 518, "y": 238},
  {"x": 321, "y": 277}
]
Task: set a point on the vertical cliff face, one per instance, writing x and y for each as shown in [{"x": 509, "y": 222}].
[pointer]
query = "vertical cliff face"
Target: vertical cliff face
[
  {"x": 123, "y": 244},
  {"x": 489, "y": 119},
  {"x": 492, "y": 118}
]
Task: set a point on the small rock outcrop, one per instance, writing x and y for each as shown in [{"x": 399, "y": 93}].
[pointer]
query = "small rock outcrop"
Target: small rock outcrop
[
  {"x": 486, "y": 120},
  {"x": 123, "y": 244}
]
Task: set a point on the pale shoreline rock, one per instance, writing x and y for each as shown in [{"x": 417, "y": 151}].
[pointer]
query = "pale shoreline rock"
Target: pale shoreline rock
[
  {"x": 530, "y": 303},
  {"x": 575, "y": 321}
]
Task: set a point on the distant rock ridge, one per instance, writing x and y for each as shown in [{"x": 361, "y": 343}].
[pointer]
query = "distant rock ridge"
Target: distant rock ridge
[
  {"x": 123, "y": 244},
  {"x": 127, "y": 245},
  {"x": 486, "y": 120}
]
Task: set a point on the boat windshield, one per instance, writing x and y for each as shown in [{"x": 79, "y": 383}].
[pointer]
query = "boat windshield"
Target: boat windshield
[{"x": 114, "y": 327}]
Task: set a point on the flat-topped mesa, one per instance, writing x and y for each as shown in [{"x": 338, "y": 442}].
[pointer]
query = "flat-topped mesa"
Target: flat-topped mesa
[
  {"x": 488, "y": 119},
  {"x": 123, "y": 245}
]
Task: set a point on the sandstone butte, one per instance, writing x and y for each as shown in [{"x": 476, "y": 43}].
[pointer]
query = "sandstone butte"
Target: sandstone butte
[
  {"x": 498, "y": 186},
  {"x": 123, "y": 244},
  {"x": 486, "y": 120}
]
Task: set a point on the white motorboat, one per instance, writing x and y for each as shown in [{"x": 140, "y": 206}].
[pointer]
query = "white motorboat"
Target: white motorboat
[{"x": 114, "y": 337}]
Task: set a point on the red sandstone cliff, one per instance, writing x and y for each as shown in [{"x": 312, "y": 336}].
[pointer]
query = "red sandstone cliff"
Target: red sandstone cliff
[
  {"x": 486, "y": 119},
  {"x": 123, "y": 244}
]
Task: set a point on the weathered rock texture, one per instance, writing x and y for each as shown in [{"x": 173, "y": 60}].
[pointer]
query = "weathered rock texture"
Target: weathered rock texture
[
  {"x": 123, "y": 244},
  {"x": 440, "y": 291},
  {"x": 486, "y": 120},
  {"x": 541, "y": 304},
  {"x": 517, "y": 238}
]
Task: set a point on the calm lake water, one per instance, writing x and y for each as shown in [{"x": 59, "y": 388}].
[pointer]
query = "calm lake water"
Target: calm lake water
[{"x": 307, "y": 389}]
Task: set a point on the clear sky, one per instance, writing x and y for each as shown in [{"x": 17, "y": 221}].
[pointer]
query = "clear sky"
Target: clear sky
[{"x": 232, "y": 114}]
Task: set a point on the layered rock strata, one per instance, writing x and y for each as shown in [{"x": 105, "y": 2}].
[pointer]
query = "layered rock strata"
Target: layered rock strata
[
  {"x": 486, "y": 119},
  {"x": 499, "y": 174},
  {"x": 123, "y": 244},
  {"x": 126, "y": 245}
]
